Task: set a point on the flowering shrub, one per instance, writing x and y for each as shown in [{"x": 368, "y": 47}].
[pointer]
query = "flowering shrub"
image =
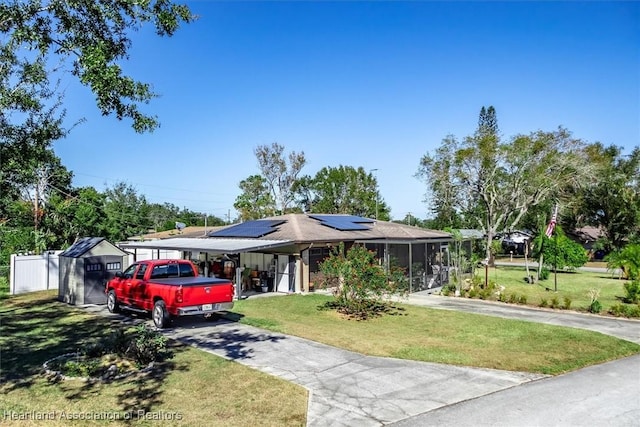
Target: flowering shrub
[{"x": 360, "y": 284}]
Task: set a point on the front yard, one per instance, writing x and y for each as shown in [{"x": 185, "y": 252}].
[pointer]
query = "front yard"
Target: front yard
[
  {"x": 198, "y": 388},
  {"x": 442, "y": 336},
  {"x": 193, "y": 388},
  {"x": 573, "y": 288}
]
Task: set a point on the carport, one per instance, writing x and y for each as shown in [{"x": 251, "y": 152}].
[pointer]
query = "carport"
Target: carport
[{"x": 200, "y": 250}]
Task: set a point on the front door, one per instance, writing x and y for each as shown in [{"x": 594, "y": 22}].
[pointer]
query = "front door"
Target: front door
[{"x": 286, "y": 274}]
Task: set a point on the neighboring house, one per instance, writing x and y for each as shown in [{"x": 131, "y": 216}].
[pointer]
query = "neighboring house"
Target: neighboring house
[
  {"x": 515, "y": 242},
  {"x": 587, "y": 236},
  {"x": 286, "y": 250},
  {"x": 191, "y": 231}
]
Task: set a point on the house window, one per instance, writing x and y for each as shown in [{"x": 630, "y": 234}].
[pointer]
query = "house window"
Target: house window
[
  {"x": 316, "y": 256},
  {"x": 93, "y": 267},
  {"x": 114, "y": 266}
]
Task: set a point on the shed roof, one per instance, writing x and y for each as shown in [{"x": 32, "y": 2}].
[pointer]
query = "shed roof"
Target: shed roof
[{"x": 84, "y": 245}]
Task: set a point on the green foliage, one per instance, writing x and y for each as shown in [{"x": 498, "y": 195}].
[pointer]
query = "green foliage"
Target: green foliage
[
  {"x": 148, "y": 345},
  {"x": 4, "y": 286},
  {"x": 126, "y": 212},
  {"x": 359, "y": 283},
  {"x": 555, "y": 302},
  {"x": 82, "y": 368},
  {"x": 625, "y": 310},
  {"x": 611, "y": 200},
  {"x": 544, "y": 273},
  {"x": 595, "y": 307},
  {"x": 632, "y": 291},
  {"x": 559, "y": 251},
  {"x": 567, "y": 303},
  {"x": 627, "y": 260},
  {"x": 522, "y": 300},
  {"x": 543, "y": 302},
  {"x": 484, "y": 180},
  {"x": 89, "y": 39},
  {"x": 255, "y": 201},
  {"x": 342, "y": 190},
  {"x": 137, "y": 346}
]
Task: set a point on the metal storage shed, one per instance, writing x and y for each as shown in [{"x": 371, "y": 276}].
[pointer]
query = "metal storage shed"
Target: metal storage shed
[{"x": 85, "y": 267}]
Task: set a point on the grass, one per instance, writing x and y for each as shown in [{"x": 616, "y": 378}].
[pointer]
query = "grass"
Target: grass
[
  {"x": 194, "y": 388},
  {"x": 574, "y": 285},
  {"x": 442, "y": 336}
]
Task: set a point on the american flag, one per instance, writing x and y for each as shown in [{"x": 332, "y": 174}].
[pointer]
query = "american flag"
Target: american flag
[{"x": 552, "y": 223}]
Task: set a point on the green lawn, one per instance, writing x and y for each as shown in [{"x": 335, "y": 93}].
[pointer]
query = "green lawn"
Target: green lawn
[
  {"x": 194, "y": 388},
  {"x": 574, "y": 285},
  {"x": 443, "y": 336}
]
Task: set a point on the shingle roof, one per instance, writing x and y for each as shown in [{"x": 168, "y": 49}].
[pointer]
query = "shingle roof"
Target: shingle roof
[
  {"x": 301, "y": 228},
  {"x": 191, "y": 231}
]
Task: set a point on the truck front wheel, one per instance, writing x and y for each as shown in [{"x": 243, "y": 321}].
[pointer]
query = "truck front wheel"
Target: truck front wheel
[
  {"x": 160, "y": 316},
  {"x": 112, "y": 302}
]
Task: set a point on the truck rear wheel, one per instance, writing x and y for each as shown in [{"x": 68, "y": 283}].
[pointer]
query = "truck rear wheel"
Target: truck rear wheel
[
  {"x": 160, "y": 315},
  {"x": 112, "y": 302}
]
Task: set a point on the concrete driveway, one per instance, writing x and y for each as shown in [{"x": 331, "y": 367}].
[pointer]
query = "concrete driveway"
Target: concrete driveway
[
  {"x": 350, "y": 389},
  {"x": 601, "y": 395},
  {"x": 346, "y": 388}
]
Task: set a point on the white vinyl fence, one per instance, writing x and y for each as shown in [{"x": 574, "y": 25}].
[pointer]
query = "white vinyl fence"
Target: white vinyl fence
[{"x": 29, "y": 273}]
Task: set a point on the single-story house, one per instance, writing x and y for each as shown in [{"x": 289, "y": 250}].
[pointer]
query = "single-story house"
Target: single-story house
[{"x": 285, "y": 251}]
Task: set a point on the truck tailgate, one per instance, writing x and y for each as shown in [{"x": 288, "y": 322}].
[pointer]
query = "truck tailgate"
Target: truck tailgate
[{"x": 201, "y": 290}]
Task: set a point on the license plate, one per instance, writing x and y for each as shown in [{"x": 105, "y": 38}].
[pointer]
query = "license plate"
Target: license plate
[{"x": 207, "y": 307}]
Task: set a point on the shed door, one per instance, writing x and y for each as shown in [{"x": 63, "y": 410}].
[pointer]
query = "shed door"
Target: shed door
[{"x": 94, "y": 280}]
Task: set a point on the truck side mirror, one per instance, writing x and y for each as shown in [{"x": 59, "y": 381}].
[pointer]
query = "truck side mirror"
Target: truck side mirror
[{"x": 119, "y": 274}]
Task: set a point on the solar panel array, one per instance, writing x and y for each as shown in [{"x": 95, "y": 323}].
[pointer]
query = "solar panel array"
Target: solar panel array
[
  {"x": 250, "y": 229},
  {"x": 344, "y": 222}
]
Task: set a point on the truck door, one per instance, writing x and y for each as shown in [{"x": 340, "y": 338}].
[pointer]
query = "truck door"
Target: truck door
[{"x": 138, "y": 287}]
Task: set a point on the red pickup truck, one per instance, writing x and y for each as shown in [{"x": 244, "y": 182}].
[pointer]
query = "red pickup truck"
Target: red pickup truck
[{"x": 168, "y": 288}]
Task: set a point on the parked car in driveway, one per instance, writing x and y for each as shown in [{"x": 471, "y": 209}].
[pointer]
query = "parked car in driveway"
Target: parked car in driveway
[{"x": 168, "y": 288}]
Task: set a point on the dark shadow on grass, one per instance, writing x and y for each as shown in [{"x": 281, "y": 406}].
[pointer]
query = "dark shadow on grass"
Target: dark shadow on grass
[{"x": 36, "y": 328}]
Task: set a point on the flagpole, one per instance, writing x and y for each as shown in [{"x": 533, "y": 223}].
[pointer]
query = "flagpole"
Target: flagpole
[{"x": 555, "y": 265}]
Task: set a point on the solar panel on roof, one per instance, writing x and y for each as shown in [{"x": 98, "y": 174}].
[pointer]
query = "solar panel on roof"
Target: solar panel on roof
[
  {"x": 343, "y": 222},
  {"x": 250, "y": 229}
]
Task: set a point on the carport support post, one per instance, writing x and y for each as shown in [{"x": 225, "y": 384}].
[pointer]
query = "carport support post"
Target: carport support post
[{"x": 238, "y": 283}]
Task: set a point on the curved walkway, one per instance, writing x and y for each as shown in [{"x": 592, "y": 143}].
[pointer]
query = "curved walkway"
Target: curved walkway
[
  {"x": 627, "y": 329},
  {"x": 350, "y": 389}
]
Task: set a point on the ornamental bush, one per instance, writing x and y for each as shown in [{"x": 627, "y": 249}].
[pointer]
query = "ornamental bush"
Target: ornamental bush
[{"x": 359, "y": 283}]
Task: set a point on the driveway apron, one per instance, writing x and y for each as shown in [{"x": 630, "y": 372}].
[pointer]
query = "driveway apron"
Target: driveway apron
[{"x": 347, "y": 388}]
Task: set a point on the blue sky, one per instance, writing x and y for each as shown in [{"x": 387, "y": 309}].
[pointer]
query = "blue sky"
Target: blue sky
[{"x": 364, "y": 84}]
